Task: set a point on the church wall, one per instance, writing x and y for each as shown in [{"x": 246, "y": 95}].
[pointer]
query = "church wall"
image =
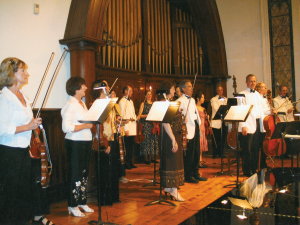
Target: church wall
[
  {"x": 246, "y": 34},
  {"x": 32, "y": 37}
]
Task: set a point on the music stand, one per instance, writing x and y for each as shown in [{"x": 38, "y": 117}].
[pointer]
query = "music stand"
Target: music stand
[
  {"x": 97, "y": 114},
  {"x": 237, "y": 113},
  {"x": 288, "y": 130},
  {"x": 220, "y": 114},
  {"x": 162, "y": 112}
]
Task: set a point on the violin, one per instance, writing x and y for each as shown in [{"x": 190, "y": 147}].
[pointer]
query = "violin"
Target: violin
[
  {"x": 139, "y": 138},
  {"x": 39, "y": 148},
  {"x": 272, "y": 147}
]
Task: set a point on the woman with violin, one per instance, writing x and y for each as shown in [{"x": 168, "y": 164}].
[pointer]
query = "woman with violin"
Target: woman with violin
[
  {"x": 172, "y": 171},
  {"x": 149, "y": 146},
  {"x": 78, "y": 143},
  {"x": 109, "y": 150},
  {"x": 16, "y": 125},
  {"x": 204, "y": 126}
]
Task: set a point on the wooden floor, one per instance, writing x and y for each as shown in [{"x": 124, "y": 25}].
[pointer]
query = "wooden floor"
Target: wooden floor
[{"x": 134, "y": 196}]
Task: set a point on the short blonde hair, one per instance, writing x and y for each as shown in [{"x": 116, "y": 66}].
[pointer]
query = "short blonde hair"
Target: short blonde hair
[
  {"x": 8, "y": 68},
  {"x": 259, "y": 86}
]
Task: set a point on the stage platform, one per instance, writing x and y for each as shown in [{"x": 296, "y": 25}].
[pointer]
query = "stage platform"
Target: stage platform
[{"x": 134, "y": 196}]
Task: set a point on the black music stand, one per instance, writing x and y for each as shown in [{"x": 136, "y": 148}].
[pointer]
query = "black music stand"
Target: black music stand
[
  {"x": 237, "y": 113},
  {"x": 286, "y": 130},
  {"x": 162, "y": 112},
  {"x": 220, "y": 114},
  {"x": 153, "y": 182},
  {"x": 97, "y": 114}
]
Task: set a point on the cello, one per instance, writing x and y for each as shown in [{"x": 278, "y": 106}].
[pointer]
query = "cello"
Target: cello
[
  {"x": 272, "y": 147},
  {"x": 232, "y": 135}
]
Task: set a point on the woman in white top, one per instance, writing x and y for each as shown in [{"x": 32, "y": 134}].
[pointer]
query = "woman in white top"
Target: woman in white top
[
  {"x": 16, "y": 124},
  {"x": 78, "y": 143}
]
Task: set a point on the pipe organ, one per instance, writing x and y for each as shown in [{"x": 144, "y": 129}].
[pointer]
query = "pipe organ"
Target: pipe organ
[{"x": 152, "y": 36}]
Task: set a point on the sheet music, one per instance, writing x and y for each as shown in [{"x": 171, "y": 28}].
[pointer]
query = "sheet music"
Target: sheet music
[
  {"x": 158, "y": 111},
  {"x": 238, "y": 113},
  {"x": 98, "y": 107}
]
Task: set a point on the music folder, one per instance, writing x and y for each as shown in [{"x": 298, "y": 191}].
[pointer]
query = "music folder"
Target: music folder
[
  {"x": 99, "y": 110},
  {"x": 238, "y": 113},
  {"x": 289, "y": 129},
  {"x": 222, "y": 110},
  {"x": 163, "y": 111}
]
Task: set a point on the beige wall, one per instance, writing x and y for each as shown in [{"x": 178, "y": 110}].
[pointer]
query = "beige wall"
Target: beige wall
[
  {"x": 246, "y": 34},
  {"x": 32, "y": 38}
]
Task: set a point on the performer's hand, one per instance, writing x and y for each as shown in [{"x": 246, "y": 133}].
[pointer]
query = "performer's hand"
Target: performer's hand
[
  {"x": 290, "y": 110},
  {"x": 175, "y": 146},
  {"x": 127, "y": 133},
  {"x": 88, "y": 125},
  {"x": 244, "y": 131},
  {"x": 34, "y": 123},
  {"x": 107, "y": 151}
]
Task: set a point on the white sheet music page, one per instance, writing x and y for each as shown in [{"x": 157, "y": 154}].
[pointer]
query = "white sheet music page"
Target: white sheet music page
[
  {"x": 158, "y": 111},
  {"x": 237, "y": 113},
  {"x": 97, "y": 108}
]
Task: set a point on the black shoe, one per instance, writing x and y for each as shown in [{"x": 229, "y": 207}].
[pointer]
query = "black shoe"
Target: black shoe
[
  {"x": 200, "y": 178},
  {"x": 147, "y": 162},
  {"x": 133, "y": 166},
  {"x": 191, "y": 180}
]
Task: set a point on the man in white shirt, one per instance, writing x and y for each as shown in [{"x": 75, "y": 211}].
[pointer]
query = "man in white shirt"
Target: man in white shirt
[
  {"x": 128, "y": 115},
  {"x": 216, "y": 125},
  {"x": 283, "y": 105},
  {"x": 249, "y": 130},
  {"x": 192, "y": 120}
]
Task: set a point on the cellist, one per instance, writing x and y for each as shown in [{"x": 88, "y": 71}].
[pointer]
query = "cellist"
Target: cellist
[
  {"x": 16, "y": 125},
  {"x": 266, "y": 110}
]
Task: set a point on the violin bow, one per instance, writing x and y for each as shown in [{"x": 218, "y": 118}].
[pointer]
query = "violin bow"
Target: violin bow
[
  {"x": 43, "y": 79},
  {"x": 63, "y": 56}
]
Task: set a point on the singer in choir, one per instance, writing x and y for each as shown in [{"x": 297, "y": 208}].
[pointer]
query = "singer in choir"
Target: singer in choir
[
  {"x": 129, "y": 116},
  {"x": 172, "y": 172},
  {"x": 16, "y": 125},
  {"x": 249, "y": 130},
  {"x": 216, "y": 102},
  {"x": 193, "y": 122},
  {"x": 284, "y": 105},
  {"x": 78, "y": 143}
]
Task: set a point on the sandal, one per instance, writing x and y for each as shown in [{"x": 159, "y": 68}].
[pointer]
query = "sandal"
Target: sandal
[{"x": 43, "y": 221}]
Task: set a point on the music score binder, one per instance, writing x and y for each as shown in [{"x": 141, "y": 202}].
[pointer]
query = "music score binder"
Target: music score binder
[
  {"x": 99, "y": 111},
  {"x": 163, "y": 111}
]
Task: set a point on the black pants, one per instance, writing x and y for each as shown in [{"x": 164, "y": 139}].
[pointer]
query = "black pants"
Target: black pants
[
  {"x": 109, "y": 175},
  {"x": 250, "y": 148},
  {"x": 15, "y": 186},
  {"x": 39, "y": 194},
  {"x": 192, "y": 155},
  {"x": 129, "y": 146},
  {"x": 218, "y": 148},
  {"x": 78, "y": 157}
]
